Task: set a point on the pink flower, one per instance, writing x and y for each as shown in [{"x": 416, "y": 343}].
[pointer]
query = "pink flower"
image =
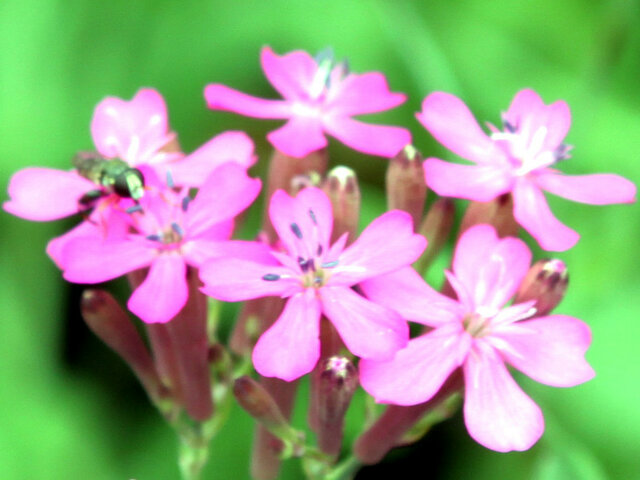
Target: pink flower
[
  {"x": 167, "y": 233},
  {"x": 135, "y": 132},
  {"x": 320, "y": 97},
  {"x": 480, "y": 334},
  {"x": 518, "y": 159},
  {"x": 316, "y": 278}
]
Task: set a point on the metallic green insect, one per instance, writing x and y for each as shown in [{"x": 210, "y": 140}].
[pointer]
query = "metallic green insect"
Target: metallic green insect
[{"x": 113, "y": 175}]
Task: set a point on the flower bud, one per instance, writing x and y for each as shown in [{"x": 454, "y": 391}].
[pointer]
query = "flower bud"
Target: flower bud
[
  {"x": 498, "y": 212},
  {"x": 341, "y": 186},
  {"x": 406, "y": 186},
  {"x": 546, "y": 282},
  {"x": 112, "y": 325},
  {"x": 436, "y": 228},
  {"x": 257, "y": 402},
  {"x": 337, "y": 380}
]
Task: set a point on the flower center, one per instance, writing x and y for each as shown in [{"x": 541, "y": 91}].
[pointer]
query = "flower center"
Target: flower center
[
  {"x": 476, "y": 325},
  {"x": 526, "y": 147}
]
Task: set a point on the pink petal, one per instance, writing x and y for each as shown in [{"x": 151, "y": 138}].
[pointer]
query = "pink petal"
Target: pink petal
[
  {"x": 56, "y": 246},
  {"x": 527, "y": 111},
  {"x": 233, "y": 280},
  {"x": 291, "y": 347},
  {"x": 531, "y": 210},
  {"x": 290, "y": 74},
  {"x": 311, "y": 212},
  {"x": 198, "y": 251},
  {"x": 131, "y": 130},
  {"x": 299, "y": 137},
  {"x": 218, "y": 231},
  {"x": 221, "y": 97},
  {"x": 481, "y": 183},
  {"x": 387, "y": 244},
  {"x": 164, "y": 291},
  {"x": 408, "y": 294},
  {"x": 367, "y": 329},
  {"x": 226, "y": 192},
  {"x": 42, "y": 194},
  {"x": 360, "y": 94},
  {"x": 497, "y": 413},
  {"x": 417, "y": 372},
  {"x": 451, "y": 123},
  {"x": 87, "y": 260},
  {"x": 380, "y": 140},
  {"x": 595, "y": 189},
  {"x": 230, "y": 146},
  {"x": 548, "y": 349},
  {"x": 490, "y": 268}
]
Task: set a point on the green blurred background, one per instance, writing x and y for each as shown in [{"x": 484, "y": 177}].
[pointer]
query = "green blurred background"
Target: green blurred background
[{"x": 69, "y": 409}]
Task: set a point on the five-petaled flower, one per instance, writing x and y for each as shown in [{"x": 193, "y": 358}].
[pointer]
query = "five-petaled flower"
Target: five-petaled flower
[
  {"x": 167, "y": 232},
  {"x": 320, "y": 97},
  {"x": 317, "y": 279},
  {"x": 518, "y": 159},
  {"x": 478, "y": 333}
]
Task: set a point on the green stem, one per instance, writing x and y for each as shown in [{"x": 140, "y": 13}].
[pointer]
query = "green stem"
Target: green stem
[{"x": 345, "y": 470}]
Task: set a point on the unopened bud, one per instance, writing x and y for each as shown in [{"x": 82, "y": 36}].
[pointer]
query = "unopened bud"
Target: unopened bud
[
  {"x": 300, "y": 182},
  {"x": 406, "y": 186},
  {"x": 436, "y": 227},
  {"x": 337, "y": 381},
  {"x": 258, "y": 403},
  {"x": 341, "y": 185},
  {"x": 498, "y": 213},
  {"x": 112, "y": 325},
  {"x": 546, "y": 282}
]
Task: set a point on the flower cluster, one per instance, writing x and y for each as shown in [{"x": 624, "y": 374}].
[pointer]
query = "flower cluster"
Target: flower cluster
[{"x": 322, "y": 298}]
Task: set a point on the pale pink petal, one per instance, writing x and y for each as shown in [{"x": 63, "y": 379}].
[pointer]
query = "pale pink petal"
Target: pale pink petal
[
  {"x": 528, "y": 113},
  {"x": 87, "y": 260},
  {"x": 408, "y": 294},
  {"x": 130, "y": 129},
  {"x": 226, "y": 192},
  {"x": 367, "y": 329},
  {"x": 497, "y": 413},
  {"x": 449, "y": 120},
  {"x": 481, "y": 183},
  {"x": 360, "y": 94},
  {"x": 595, "y": 189},
  {"x": 557, "y": 121},
  {"x": 490, "y": 268},
  {"x": 221, "y": 97},
  {"x": 309, "y": 214},
  {"x": 380, "y": 140},
  {"x": 548, "y": 349},
  {"x": 290, "y": 74},
  {"x": 387, "y": 244},
  {"x": 233, "y": 279},
  {"x": 42, "y": 194},
  {"x": 299, "y": 137},
  {"x": 525, "y": 104},
  {"x": 164, "y": 291},
  {"x": 198, "y": 251},
  {"x": 291, "y": 347},
  {"x": 230, "y": 146},
  {"x": 531, "y": 210},
  {"x": 417, "y": 372}
]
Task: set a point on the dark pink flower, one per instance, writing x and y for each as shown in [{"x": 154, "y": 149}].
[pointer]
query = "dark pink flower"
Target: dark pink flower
[
  {"x": 520, "y": 159},
  {"x": 317, "y": 278},
  {"x": 480, "y": 334},
  {"x": 319, "y": 97},
  {"x": 134, "y": 131},
  {"x": 167, "y": 232}
]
